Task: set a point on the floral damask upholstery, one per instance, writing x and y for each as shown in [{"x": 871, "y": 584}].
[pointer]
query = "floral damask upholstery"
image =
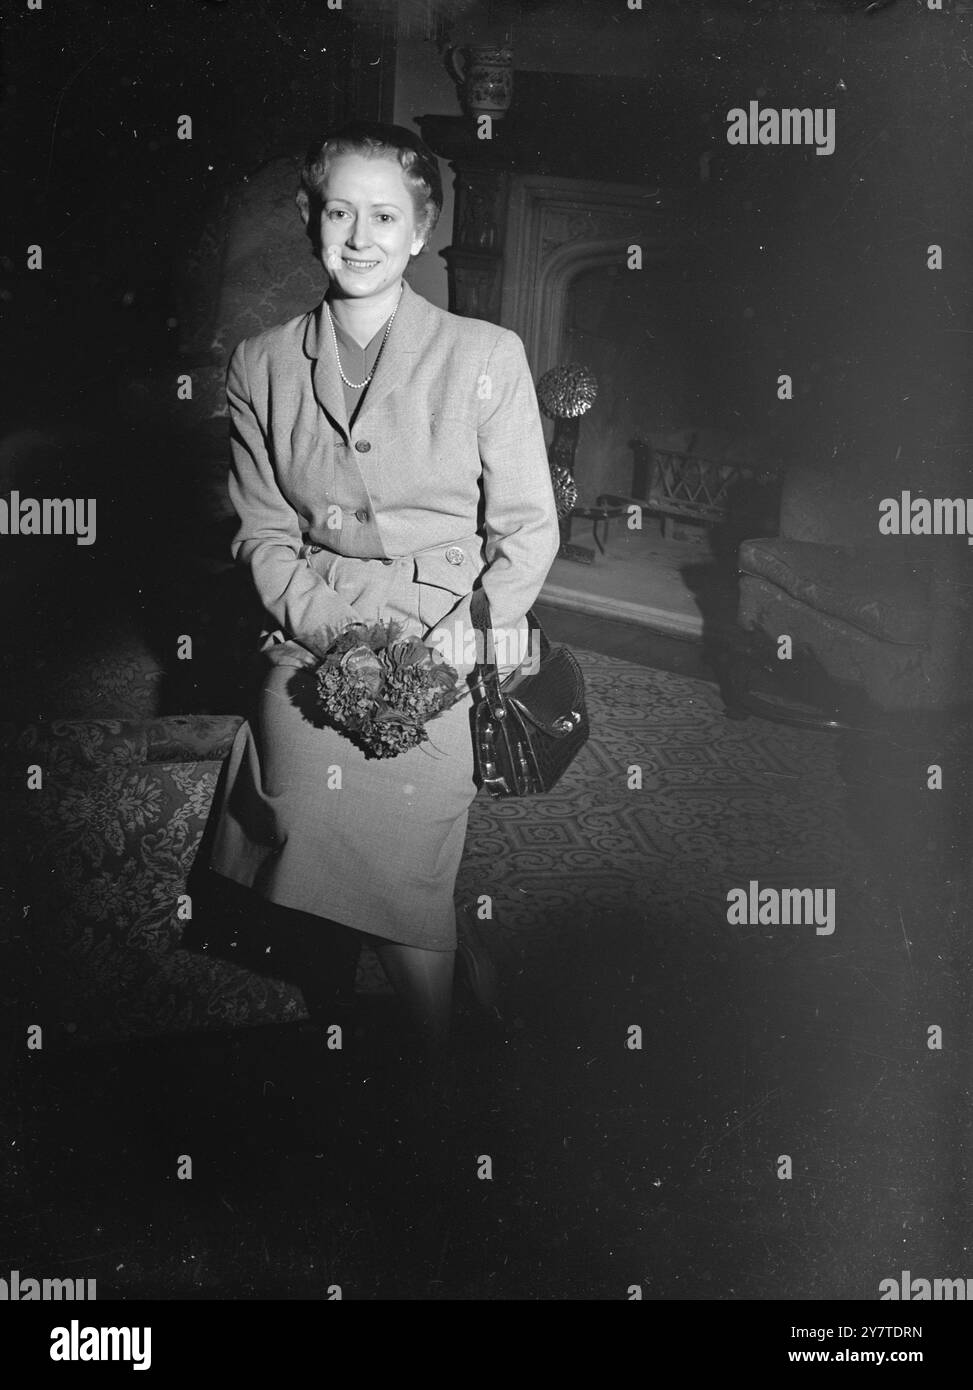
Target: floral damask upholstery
[
  {"x": 104, "y": 743},
  {"x": 109, "y": 841},
  {"x": 102, "y": 853}
]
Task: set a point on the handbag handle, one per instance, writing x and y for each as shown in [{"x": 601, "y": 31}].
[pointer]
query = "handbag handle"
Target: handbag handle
[{"x": 486, "y": 677}]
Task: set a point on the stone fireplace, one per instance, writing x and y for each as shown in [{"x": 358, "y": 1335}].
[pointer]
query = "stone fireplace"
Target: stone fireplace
[
  {"x": 562, "y": 233},
  {"x": 585, "y": 270}
]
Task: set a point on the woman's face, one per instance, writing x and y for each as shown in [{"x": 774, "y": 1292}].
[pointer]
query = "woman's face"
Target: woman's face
[{"x": 369, "y": 227}]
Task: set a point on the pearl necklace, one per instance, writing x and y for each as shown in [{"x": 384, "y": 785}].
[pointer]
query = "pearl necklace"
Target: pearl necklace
[{"x": 358, "y": 385}]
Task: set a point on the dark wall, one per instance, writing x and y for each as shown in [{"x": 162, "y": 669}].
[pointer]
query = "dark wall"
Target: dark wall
[
  {"x": 814, "y": 266},
  {"x": 810, "y": 265},
  {"x": 817, "y": 265},
  {"x": 798, "y": 263},
  {"x": 95, "y": 173}
]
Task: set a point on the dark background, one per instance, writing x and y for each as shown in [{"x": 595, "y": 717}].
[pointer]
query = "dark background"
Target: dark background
[
  {"x": 791, "y": 262},
  {"x": 800, "y": 264},
  {"x": 806, "y": 264}
]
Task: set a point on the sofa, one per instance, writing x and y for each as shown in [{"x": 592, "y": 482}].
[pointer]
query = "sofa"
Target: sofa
[
  {"x": 120, "y": 930},
  {"x": 878, "y": 624}
]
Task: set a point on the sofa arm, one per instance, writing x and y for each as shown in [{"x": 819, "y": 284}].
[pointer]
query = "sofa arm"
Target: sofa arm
[{"x": 97, "y": 743}]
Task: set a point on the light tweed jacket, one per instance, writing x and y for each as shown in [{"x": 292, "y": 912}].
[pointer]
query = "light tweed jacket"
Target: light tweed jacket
[{"x": 445, "y": 466}]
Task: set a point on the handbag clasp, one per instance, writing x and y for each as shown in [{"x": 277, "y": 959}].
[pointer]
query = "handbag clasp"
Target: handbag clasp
[{"x": 567, "y": 722}]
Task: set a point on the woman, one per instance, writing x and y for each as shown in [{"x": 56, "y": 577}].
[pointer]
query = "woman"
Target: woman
[{"x": 386, "y": 457}]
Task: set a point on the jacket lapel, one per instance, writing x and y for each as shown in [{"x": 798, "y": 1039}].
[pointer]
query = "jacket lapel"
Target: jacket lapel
[
  {"x": 397, "y": 356},
  {"x": 394, "y": 363},
  {"x": 327, "y": 383}
]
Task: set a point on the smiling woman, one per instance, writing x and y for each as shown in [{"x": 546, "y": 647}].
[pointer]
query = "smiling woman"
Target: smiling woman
[
  {"x": 369, "y": 207},
  {"x": 388, "y": 458}
]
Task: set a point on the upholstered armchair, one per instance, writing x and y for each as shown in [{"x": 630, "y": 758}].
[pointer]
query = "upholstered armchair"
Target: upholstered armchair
[
  {"x": 103, "y": 875},
  {"x": 879, "y": 625}
]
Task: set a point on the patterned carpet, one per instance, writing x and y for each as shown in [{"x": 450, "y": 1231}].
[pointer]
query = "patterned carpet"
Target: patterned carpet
[
  {"x": 613, "y": 1167},
  {"x": 720, "y": 802},
  {"x": 112, "y": 836}
]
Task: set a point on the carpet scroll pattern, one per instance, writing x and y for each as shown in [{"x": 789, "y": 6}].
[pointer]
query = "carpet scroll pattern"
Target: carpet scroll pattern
[
  {"x": 720, "y": 802},
  {"x": 112, "y": 837}
]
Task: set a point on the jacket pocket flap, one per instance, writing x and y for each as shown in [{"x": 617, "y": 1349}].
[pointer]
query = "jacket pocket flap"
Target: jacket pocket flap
[{"x": 435, "y": 569}]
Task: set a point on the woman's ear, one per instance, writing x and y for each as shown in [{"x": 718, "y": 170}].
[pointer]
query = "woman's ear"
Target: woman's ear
[
  {"x": 312, "y": 225},
  {"x": 421, "y": 239}
]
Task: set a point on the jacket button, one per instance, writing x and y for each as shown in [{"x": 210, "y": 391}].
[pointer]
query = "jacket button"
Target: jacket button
[
  {"x": 361, "y": 514},
  {"x": 363, "y": 446},
  {"x": 388, "y": 562},
  {"x": 454, "y": 555}
]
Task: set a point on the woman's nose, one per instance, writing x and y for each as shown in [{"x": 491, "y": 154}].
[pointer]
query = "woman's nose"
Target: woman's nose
[{"x": 358, "y": 236}]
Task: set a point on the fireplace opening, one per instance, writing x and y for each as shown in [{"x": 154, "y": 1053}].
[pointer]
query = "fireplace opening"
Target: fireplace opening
[
  {"x": 629, "y": 328},
  {"x": 648, "y": 435}
]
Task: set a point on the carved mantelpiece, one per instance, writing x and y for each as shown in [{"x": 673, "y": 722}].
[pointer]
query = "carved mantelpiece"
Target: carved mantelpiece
[
  {"x": 475, "y": 260},
  {"x": 481, "y": 209},
  {"x": 556, "y": 228},
  {"x": 521, "y": 235}
]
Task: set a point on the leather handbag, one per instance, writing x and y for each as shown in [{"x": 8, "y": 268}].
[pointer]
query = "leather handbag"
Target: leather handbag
[{"x": 528, "y": 727}]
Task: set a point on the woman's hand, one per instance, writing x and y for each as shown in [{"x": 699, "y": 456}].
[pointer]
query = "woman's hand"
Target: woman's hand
[
  {"x": 449, "y": 638},
  {"x": 461, "y": 645}
]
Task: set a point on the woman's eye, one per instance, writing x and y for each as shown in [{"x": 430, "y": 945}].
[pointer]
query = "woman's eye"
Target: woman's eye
[{"x": 335, "y": 213}]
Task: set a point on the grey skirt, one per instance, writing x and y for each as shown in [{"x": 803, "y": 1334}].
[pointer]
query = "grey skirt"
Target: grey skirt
[{"x": 306, "y": 820}]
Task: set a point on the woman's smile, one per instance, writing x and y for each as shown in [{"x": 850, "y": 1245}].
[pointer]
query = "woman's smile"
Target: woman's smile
[{"x": 369, "y": 227}]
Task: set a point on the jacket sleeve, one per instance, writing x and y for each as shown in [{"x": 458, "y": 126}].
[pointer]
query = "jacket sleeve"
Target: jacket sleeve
[
  {"x": 268, "y": 540},
  {"x": 520, "y": 518}
]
